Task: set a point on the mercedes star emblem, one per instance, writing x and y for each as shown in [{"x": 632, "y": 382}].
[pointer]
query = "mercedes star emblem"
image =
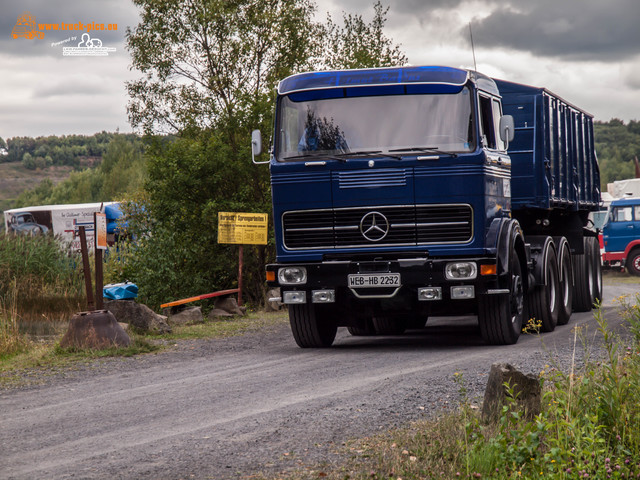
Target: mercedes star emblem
[{"x": 374, "y": 226}]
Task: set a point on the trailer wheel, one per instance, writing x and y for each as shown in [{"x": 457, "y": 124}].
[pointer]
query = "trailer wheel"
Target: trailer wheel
[
  {"x": 544, "y": 300},
  {"x": 313, "y": 326},
  {"x": 633, "y": 262},
  {"x": 583, "y": 279},
  {"x": 500, "y": 316},
  {"x": 566, "y": 285},
  {"x": 363, "y": 329},
  {"x": 389, "y": 325},
  {"x": 596, "y": 293}
]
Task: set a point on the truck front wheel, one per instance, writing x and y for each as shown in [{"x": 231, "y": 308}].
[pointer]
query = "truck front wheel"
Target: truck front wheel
[
  {"x": 313, "y": 326},
  {"x": 500, "y": 316},
  {"x": 633, "y": 262},
  {"x": 389, "y": 325},
  {"x": 364, "y": 328}
]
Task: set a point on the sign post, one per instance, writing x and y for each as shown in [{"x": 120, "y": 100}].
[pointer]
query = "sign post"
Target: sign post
[
  {"x": 242, "y": 229},
  {"x": 100, "y": 233}
]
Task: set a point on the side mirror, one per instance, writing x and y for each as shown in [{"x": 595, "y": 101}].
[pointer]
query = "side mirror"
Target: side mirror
[
  {"x": 507, "y": 128},
  {"x": 256, "y": 146}
]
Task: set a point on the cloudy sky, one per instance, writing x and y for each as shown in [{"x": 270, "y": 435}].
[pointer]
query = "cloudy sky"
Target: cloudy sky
[{"x": 586, "y": 51}]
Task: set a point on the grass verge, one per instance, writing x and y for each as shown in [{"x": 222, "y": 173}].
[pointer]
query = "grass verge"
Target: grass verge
[
  {"x": 21, "y": 357},
  {"x": 253, "y": 322},
  {"x": 589, "y": 427}
]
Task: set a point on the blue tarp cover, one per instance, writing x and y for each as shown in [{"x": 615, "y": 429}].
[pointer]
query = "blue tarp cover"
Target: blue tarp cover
[{"x": 120, "y": 291}]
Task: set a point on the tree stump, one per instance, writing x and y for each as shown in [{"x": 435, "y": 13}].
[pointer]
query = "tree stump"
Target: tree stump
[
  {"x": 526, "y": 390},
  {"x": 95, "y": 330}
]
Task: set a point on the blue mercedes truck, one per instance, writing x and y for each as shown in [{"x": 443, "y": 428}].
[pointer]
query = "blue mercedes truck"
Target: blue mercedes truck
[{"x": 409, "y": 192}]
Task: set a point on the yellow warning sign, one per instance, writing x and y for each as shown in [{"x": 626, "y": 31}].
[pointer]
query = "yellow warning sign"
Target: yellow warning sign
[{"x": 242, "y": 228}]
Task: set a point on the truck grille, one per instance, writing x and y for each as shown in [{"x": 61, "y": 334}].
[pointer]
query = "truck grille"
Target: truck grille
[{"x": 378, "y": 226}]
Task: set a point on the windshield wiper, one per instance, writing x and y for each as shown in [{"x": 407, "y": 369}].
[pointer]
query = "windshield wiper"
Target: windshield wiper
[
  {"x": 424, "y": 150},
  {"x": 368, "y": 153},
  {"x": 314, "y": 156}
]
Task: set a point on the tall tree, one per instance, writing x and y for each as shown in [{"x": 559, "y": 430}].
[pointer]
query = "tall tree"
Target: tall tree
[
  {"x": 359, "y": 44},
  {"x": 206, "y": 63},
  {"x": 209, "y": 69}
]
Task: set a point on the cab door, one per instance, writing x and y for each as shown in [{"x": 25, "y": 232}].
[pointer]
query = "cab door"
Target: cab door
[{"x": 622, "y": 227}]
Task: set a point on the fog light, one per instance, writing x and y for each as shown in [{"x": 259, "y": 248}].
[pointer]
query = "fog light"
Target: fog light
[
  {"x": 294, "y": 297},
  {"x": 323, "y": 296},
  {"x": 463, "y": 293},
  {"x": 292, "y": 275},
  {"x": 461, "y": 270},
  {"x": 429, "y": 294}
]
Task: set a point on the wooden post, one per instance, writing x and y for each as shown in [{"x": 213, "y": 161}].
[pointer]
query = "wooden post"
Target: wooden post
[
  {"x": 99, "y": 280},
  {"x": 86, "y": 268},
  {"x": 99, "y": 275},
  {"x": 240, "y": 276}
]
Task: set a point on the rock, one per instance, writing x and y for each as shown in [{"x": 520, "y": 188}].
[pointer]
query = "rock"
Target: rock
[
  {"x": 228, "y": 304},
  {"x": 217, "y": 313},
  {"x": 95, "y": 330},
  {"x": 187, "y": 316},
  {"x": 526, "y": 389},
  {"x": 138, "y": 315},
  {"x": 273, "y": 305}
]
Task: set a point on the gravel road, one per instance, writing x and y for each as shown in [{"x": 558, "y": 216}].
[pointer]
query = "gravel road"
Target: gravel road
[{"x": 234, "y": 407}]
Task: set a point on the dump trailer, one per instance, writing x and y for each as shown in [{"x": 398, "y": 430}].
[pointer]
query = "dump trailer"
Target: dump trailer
[{"x": 402, "y": 193}]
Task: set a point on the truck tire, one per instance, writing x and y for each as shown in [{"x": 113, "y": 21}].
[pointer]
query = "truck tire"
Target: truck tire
[
  {"x": 389, "y": 325},
  {"x": 312, "y": 326},
  {"x": 596, "y": 292},
  {"x": 544, "y": 300},
  {"x": 583, "y": 279},
  {"x": 500, "y": 316},
  {"x": 566, "y": 284},
  {"x": 633, "y": 262},
  {"x": 363, "y": 329}
]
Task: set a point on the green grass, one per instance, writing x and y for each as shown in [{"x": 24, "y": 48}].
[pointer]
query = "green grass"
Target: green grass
[
  {"x": 617, "y": 276},
  {"x": 17, "y": 366},
  {"x": 253, "y": 322}
]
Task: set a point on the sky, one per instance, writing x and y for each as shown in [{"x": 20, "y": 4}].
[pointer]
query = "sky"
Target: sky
[{"x": 585, "y": 51}]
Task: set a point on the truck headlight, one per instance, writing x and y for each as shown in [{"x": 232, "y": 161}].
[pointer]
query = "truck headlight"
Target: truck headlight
[
  {"x": 292, "y": 275},
  {"x": 461, "y": 271}
]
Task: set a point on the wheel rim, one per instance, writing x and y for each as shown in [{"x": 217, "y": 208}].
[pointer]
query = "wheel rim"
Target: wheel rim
[{"x": 636, "y": 263}]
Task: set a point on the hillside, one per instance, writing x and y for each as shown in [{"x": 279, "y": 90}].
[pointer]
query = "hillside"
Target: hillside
[{"x": 15, "y": 179}]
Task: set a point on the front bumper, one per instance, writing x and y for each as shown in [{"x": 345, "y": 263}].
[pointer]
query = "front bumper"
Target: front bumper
[{"x": 420, "y": 279}]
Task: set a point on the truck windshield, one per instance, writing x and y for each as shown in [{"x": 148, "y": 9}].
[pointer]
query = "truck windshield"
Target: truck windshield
[{"x": 332, "y": 126}]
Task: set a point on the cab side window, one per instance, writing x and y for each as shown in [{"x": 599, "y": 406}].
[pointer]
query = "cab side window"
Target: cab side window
[
  {"x": 497, "y": 114},
  {"x": 487, "y": 123},
  {"x": 622, "y": 214}
]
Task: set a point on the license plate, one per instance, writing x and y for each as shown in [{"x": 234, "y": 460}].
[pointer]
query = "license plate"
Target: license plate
[{"x": 370, "y": 280}]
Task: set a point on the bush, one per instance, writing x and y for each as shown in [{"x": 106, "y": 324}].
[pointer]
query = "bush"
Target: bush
[{"x": 40, "y": 271}]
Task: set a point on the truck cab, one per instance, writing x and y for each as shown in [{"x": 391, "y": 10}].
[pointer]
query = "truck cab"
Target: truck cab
[
  {"x": 621, "y": 235},
  {"x": 392, "y": 201}
]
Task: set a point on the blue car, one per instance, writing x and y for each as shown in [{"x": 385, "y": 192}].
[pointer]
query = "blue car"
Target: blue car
[{"x": 25, "y": 224}]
